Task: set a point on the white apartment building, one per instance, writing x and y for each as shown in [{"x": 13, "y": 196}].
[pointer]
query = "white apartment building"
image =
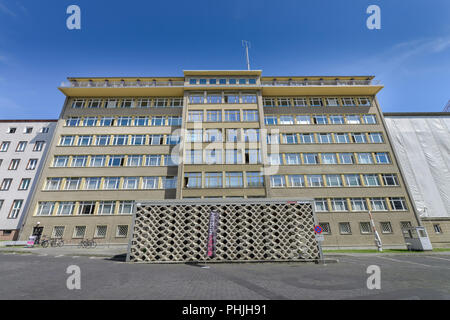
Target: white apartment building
[{"x": 23, "y": 146}]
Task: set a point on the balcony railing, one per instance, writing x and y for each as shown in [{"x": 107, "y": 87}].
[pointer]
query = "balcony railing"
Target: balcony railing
[
  {"x": 121, "y": 84},
  {"x": 297, "y": 83}
]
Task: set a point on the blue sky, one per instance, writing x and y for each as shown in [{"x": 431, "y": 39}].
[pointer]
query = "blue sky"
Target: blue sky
[{"x": 410, "y": 55}]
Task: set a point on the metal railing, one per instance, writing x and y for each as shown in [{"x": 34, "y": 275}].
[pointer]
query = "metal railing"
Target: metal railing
[
  {"x": 293, "y": 83},
  {"x": 120, "y": 84}
]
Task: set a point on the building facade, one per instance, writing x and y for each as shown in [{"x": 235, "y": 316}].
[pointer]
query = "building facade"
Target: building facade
[
  {"x": 215, "y": 134},
  {"x": 23, "y": 147},
  {"x": 422, "y": 140}
]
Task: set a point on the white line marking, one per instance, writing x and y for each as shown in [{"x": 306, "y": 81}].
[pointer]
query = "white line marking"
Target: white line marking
[
  {"x": 438, "y": 258},
  {"x": 419, "y": 264},
  {"x": 205, "y": 267},
  {"x": 59, "y": 256},
  {"x": 43, "y": 255},
  {"x": 75, "y": 257}
]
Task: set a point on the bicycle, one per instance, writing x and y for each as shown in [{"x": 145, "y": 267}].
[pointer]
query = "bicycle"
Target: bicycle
[
  {"x": 53, "y": 242},
  {"x": 86, "y": 243}
]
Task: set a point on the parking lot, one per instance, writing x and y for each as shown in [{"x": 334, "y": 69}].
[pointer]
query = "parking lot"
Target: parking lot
[{"x": 403, "y": 276}]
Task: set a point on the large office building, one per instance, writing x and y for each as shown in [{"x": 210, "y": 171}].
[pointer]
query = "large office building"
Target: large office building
[
  {"x": 221, "y": 134},
  {"x": 422, "y": 143},
  {"x": 23, "y": 146}
]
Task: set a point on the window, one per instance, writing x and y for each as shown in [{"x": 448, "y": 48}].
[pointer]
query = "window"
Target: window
[
  {"x": 85, "y": 140},
  {"x": 273, "y": 138},
  {"x": 277, "y": 181},
  {"x": 192, "y": 81},
  {"x": 232, "y": 115},
  {"x": 344, "y": 228},
  {"x": 369, "y": 119},
  {"x": 67, "y": 140},
  {"x": 73, "y": 122},
  {"x": 251, "y": 135},
  {"x": 65, "y": 208},
  {"x": 269, "y": 102},
  {"x": 234, "y": 180},
  {"x": 320, "y": 120},
  {"x": 86, "y": 207},
  {"x": 242, "y": 81},
  {"x": 130, "y": 183},
  {"x": 292, "y": 158},
  {"x": 364, "y": 102},
  {"x": 174, "y": 121},
  {"x": 153, "y": 160},
  {"x": 437, "y": 228},
  {"x": 141, "y": 121},
  {"x": 275, "y": 159},
  {"x": 100, "y": 231},
  {"x": 378, "y": 204},
  {"x": 286, "y": 120},
  {"x": 14, "y": 164},
  {"x": 195, "y": 116},
  {"x": 315, "y": 180},
  {"x": 158, "y": 121},
  {"x": 310, "y": 158},
  {"x": 89, "y": 121},
  {"x": 336, "y": 119},
  {"x": 346, "y": 158},
  {"x": 135, "y": 160},
  {"x": 127, "y": 103},
  {"x": 398, "y": 204},
  {"x": 255, "y": 179},
  {"x": 72, "y": 184},
  {"x": 160, "y": 102},
  {"x": 150, "y": 182},
  {"x": 193, "y": 180},
  {"x": 307, "y": 138},
  {"x": 332, "y": 102},
  {"x": 348, "y": 102},
  {"x": 122, "y": 231},
  {"x": 352, "y": 180},
  {"x": 58, "y": 232},
  {"x": 124, "y": 121},
  {"x": 324, "y": 138},
  {"x": 248, "y": 98},
  {"x": 325, "y": 227},
  {"x": 213, "y": 180},
  {"x": 4, "y": 146},
  {"x": 353, "y": 119},
  {"x": 126, "y": 207},
  {"x": 303, "y": 119},
  {"x": 213, "y": 135},
  {"x": 45, "y": 208},
  {"x": 111, "y": 103},
  {"x": 386, "y": 227},
  {"x": 120, "y": 140},
  {"x": 79, "y": 161},
  {"x": 222, "y": 81},
  {"x": 78, "y": 103},
  {"x": 359, "y": 204},
  {"x": 371, "y": 180},
  {"x": 390, "y": 179},
  {"x": 231, "y": 97},
  {"x": 60, "y": 161},
  {"x": 300, "y": 102},
  {"x": 214, "y": 98},
  {"x": 92, "y": 183},
  {"x": 172, "y": 140},
  {"x": 138, "y": 139},
  {"x": 365, "y": 158},
  {"x": 28, "y": 130},
  {"x": 334, "y": 180},
  {"x": 214, "y": 115},
  {"x": 79, "y": 232},
  {"x": 316, "y": 102},
  {"x": 212, "y": 81},
  {"x": 270, "y": 120},
  {"x": 341, "y": 138},
  {"x": 359, "y": 138},
  {"x": 251, "y": 81},
  {"x": 329, "y": 158},
  {"x": 194, "y": 135},
  {"x": 213, "y": 156},
  {"x": 365, "y": 227},
  {"x": 233, "y": 156},
  {"x": 106, "y": 121},
  {"x": 169, "y": 182},
  {"x": 103, "y": 140},
  {"x": 290, "y": 138},
  {"x": 202, "y": 81},
  {"x": 6, "y": 184},
  {"x": 24, "y": 184},
  {"x": 250, "y": 115},
  {"x": 296, "y": 180},
  {"x": 233, "y": 135},
  {"x": 98, "y": 161},
  {"x": 21, "y": 146},
  {"x": 53, "y": 184},
  {"x": 382, "y": 157},
  {"x": 156, "y": 139},
  {"x": 376, "y": 137},
  {"x": 339, "y": 204},
  {"x": 111, "y": 183},
  {"x": 321, "y": 205},
  {"x": 94, "y": 103},
  {"x": 283, "y": 102}
]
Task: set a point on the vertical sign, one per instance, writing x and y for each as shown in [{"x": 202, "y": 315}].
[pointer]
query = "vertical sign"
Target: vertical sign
[{"x": 212, "y": 233}]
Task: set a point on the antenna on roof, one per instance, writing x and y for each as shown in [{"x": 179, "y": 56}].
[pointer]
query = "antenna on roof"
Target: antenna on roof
[
  {"x": 246, "y": 45},
  {"x": 447, "y": 107}
]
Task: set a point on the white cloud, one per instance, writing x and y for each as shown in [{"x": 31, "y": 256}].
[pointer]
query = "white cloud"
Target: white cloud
[{"x": 7, "y": 11}]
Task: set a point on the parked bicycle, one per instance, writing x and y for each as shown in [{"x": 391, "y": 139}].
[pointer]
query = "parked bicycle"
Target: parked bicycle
[
  {"x": 86, "y": 243},
  {"x": 53, "y": 242}
]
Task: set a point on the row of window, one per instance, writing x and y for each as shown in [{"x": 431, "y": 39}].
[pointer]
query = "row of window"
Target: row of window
[
  {"x": 110, "y": 183},
  {"x": 360, "y": 204},
  {"x": 227, "y": 115},
  {"x": 146, "y": 102},
  {"x": 344, "y": 137},
  {"x": 223, "y": 179},
  {"x": 14, "y": 164},
  {"x": 15, "y": 208},
  {"x": 68, "y": 208},
  {"x": 222, "y": 97},
  {"x": 222, "y": 81},
  {"x": 333, "y": 180},
  {"x": 320, "y": 119},
  {"x": 115, "y": 160},
  {"x": 79, "y": 232},
  {"x": 364, "y": 228},
  {"x": 27, "y": 130},
  {"x": 124, "y": 121},
  {"x": 23, "y": 185},
  {"x": 316, "y": 101},
  {"x": 21, "y": 145},
  {"x": 119, "y": 140}
]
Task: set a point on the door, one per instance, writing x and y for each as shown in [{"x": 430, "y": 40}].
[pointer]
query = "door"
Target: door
[{"x": 37, "y": 231}]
